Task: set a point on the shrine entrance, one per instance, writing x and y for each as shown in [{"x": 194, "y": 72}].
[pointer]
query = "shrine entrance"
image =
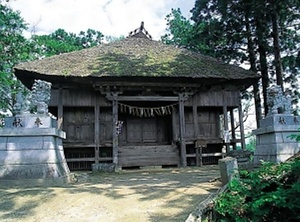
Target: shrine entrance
[{"x": 145, "y": 137}]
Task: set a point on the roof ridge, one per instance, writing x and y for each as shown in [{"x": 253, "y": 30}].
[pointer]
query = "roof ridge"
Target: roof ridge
[{"x": 140, "y": 32}]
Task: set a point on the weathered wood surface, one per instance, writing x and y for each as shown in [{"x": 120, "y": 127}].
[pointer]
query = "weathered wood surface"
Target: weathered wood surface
[
  {"x": 148, "y": 155},
  {"x": 88, "y": 118},
  {"x": 79, "y": 124},
  {"x": 202, "y": 123},
  {"x": 216, "y": 98},
  {"x": 145, "y": 98},
  {"x": 182, "y": 130},
  {"x": 77, "y": 97},
  {"x": 137, "y": 130}
]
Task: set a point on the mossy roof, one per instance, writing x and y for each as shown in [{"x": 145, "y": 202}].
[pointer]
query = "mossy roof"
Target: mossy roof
[{"x": 135, "y": 57}]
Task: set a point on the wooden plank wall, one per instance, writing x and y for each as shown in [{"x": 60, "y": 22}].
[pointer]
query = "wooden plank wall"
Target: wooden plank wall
[
  {"x": 79, "y": 107},
  {"x": 161, "y": 155},
  {"x": 145, "y": 130},
  {"x": 77, "y": 97},
  {"x": 208, "y": 122},
  {"x": 215, "y": 98},
  {"x": 79, "y": 124}
]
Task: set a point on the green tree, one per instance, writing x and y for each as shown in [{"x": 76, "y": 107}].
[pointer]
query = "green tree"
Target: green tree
[
  {"x": 265, "y": 194},
  {"x": 179, "y": 30},
  {"x": 262, "y": 33},
  {"x": 61, "y": 41},
  {"x": 272, "y": 31},
  {"x": 13, "y": 49}
]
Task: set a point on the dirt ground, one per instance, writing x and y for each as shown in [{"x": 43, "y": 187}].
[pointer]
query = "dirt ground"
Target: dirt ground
[{"x": 141, "y": 195}]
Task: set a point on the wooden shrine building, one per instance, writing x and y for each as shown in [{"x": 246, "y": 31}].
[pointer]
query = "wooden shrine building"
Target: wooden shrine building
[{"x": 138, "y": 102}]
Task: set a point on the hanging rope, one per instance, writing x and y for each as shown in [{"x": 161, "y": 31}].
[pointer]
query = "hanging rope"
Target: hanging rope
[{"x": 147, "y": 111}]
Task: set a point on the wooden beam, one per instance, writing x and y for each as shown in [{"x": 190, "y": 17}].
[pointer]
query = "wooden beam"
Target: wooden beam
[
  {"x": 232, "y": 128},
  {"x": 174, "y": 126},
  {"x": 115, "y": 142},
  {"x": 144, "y": 98},
  {"x": 182, "y": 130},
  {"x": 225, "y": 119},
  {"x": 90, "y": 159},
  {"x": 195, "y": 117},
  {"x": 97, "y": 129},
  {"x": 142, "y": 84},
  {"x": 60, "y": 111},
  {"x": 242, "y": 126}
]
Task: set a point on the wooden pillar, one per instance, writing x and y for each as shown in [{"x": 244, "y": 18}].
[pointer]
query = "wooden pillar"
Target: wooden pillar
[
  {"x": 242, "y": 126},
  {"x": 197, "y": 151},
  {"x": 195, "y": 118},
  {"x": 97, "y": 129},
  {"x": 182, "y": 130},
  {"x": 232, "y": 129},
  {"x": 60, "y": 111},
  {"x": 174, "y": 126},
  {"x": 115, "y": 142},
  {"x": 225, "y": 120}
]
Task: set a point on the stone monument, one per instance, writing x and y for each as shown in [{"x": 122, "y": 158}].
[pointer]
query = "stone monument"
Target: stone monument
[
  {"x": 31, "y": 150},
  {"x": 272, "y": 137}
]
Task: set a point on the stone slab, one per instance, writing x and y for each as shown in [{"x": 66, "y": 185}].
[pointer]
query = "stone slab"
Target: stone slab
[
  {"x": 33, "y": 171},
  {"x": 30, "y": 157},
  {"x": 228, "y": 169},
  {"x": 276, "y": 152},
  {"x": 103, "y": 167},
  {"x": 280, "y": 119},
  {"x": 22, "y": 132},
  {"x": 31, "y": 121}
]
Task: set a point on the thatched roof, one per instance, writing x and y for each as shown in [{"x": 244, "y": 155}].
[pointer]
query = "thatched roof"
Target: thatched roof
[{"x": 135, "y": 57}]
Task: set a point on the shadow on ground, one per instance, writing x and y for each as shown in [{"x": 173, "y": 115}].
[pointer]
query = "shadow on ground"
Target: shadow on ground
[{"x": 138, "y": 195}]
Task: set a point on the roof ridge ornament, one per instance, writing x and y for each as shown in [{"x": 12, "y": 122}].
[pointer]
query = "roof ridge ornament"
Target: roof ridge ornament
[{"x": 140, "y": 32}]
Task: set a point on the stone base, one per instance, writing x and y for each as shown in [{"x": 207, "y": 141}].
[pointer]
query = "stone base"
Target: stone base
[
  {"x": 103, "y": 167},
  {"x": 272, "y": 139},
  {"x": 33, "y": 153}
]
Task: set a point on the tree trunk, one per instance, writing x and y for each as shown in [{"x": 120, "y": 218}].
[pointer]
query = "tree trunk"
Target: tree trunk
[
  {"x": 262, "y": 45},
  {"x": 257, "y": 100},
  {"x": 275, "y": 35}
]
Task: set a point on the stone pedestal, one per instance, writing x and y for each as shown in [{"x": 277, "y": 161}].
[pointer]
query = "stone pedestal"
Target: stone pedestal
[
  {"x": 272, "y": 138},
  {"x": 228, "y": 169},
  {"x": 31, "y": 151}
]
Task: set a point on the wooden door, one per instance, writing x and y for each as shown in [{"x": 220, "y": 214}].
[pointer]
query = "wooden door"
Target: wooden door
[
  {"x": 149, "y": 128},
  {"x": 141, "y": 130},
  {"x": 79, "y": 124},
  {"x": 134, "y": 130}
]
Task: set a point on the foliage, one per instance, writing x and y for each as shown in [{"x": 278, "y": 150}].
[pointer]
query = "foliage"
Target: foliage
[
  {"x": 251, "y": 145},
  {"x": 13, "y": 49},
  {"x": 61, "y": 41},
  {"x": 261, "y": 33},
  {"x": 202, "y": 37},
  {"x": 179, "y": 31},
  {"x": 110, "y": 39},
  {"x": 266, "y": 194}
]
